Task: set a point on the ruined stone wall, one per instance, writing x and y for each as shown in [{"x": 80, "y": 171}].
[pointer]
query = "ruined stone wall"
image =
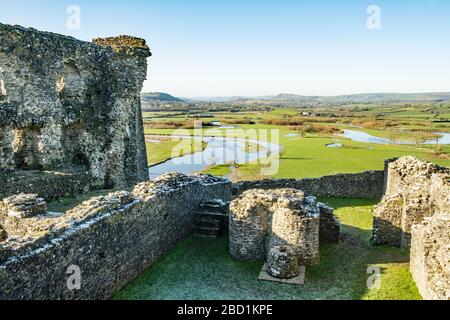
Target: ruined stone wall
[
  {"x": 368, "y": 185},
  {"x": 415, "y": 190},
  {"x": 415, "y": 214},
  {"x": 111, "y": 239},
  {"x": 430, "y": 257},
  {"x": 261, "y": 220},
  {"x": 65, "y": 102},
  {"x": 50, "y": 185}
]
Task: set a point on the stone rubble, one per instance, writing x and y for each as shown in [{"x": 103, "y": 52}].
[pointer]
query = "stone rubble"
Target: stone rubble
[{"x": 23, "y": 206}]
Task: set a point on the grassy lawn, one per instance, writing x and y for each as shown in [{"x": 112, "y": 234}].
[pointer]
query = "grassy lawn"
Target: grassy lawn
[
  {"x": 309, "y": 156},
  {"x": 203, "y": 269},
  {"x": 158, "y": 152}
]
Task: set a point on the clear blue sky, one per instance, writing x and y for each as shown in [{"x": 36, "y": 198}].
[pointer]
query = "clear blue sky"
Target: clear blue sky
[{"x": 223, "y": 48}]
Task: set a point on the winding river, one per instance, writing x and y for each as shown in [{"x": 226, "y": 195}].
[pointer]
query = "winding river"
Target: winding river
[
  {"x": 365, "y": 137},
  {"x": 218, "y": 151}
]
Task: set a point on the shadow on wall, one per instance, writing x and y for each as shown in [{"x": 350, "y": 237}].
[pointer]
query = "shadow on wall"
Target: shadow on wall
[
  {"x": 386, "y": 233},
  {"x": 27, "y": 148},
  {"x": 355, "y": 256}
]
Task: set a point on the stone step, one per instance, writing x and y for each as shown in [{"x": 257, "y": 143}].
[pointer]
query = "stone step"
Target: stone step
[
  {"x": 216, "y": 202},
  {"x": 218, "y": 215},
  {"x": 207, "y": 232},
  {"x": 205, "y": 223},
  {"x": 215, "y": 205},
  {"x": 212, "y": 218},
  {"x": 197, "y": 235}
]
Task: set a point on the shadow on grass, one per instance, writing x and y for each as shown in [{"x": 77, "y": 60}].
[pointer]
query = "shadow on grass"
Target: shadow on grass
[
  {"x": 203, "y": 269},
  {"x": 357, "y": 221}
]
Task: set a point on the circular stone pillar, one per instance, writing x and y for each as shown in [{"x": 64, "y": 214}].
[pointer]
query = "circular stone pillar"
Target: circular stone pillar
[{"x": 283, "y": 262}]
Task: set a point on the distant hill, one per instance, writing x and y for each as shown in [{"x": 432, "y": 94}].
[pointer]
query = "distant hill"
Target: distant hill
[
  {"x": 158, "y": 101},
  {"x": 364, "y": 98},
  {"x": 150, "y": 97}
]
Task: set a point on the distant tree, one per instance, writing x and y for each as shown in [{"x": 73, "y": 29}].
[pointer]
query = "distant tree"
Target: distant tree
[
  {"x": 392, "y": 137},
  {"x": 418, "y": 138}
]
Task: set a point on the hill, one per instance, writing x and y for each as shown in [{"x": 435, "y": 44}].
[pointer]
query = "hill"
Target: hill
[{"x": 159, "y": 97}]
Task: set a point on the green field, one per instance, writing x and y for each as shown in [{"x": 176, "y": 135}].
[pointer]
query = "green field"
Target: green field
[
  {"x": 203, "y": 269},
  {"x": 165, "y": 149},
  {"x": 308, "y": 156}
]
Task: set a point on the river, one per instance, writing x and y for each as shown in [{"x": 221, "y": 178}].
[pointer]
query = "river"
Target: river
[
  {"x": 218, "y": 151},
  {"x": 365, "y": 137}
]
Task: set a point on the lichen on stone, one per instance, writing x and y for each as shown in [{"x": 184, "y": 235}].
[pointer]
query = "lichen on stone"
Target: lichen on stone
[
  {"x": 78, "y": 105},
  {"x": 263, "y": 220}
]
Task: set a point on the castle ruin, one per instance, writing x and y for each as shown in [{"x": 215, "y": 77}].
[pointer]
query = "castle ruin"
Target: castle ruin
[
  {"x": 282, "y": 227},
  {"x": 70, "y": 122},
  {"x": 415, "y": 214},
  {"x": 72, "y": 107}
]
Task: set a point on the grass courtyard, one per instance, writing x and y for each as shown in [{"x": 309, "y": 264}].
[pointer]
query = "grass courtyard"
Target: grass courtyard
[{"x": 202, "y": 269}]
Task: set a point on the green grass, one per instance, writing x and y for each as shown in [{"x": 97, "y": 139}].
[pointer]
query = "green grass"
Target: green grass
[
  {"x": 161, "y": 152},
  {"x": 309, "y": 157},
  {"x": 203, "y": 269}
]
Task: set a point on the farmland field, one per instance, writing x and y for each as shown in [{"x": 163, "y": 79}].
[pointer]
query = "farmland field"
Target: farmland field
[{"x": 306, "y": 154}]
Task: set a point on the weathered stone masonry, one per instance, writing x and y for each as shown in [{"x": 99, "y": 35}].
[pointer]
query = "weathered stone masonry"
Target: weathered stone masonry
[
  {"x": 66, "y": 103},
  {"x": 369, "y": 185},
  {"x": 415, "y": 213},
  {"x": 281, "y": 226},
  {"x": 430, "y": 257},
  {"x": 112, "y": 239},
  {"x": 415, "y": 190}
]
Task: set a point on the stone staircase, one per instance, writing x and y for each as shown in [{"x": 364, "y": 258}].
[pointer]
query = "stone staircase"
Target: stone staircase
[{"x": 212, "y": 219}]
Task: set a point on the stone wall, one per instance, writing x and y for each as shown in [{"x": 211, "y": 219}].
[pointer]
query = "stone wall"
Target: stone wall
[
  {"x": 415, "y": 214},
  {"x": 430, "y": 257},
  {"x": 48, "y": 184},
  {"x": 415, "y": 190},
  {"x": 262, "y": 220},
  {"x": 65, "y": 102},
  {"x": 111, "y": 239},
  {"x": 368, "y": 185}
]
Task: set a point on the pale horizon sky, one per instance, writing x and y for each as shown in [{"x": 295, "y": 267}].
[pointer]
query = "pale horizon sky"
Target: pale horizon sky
[{"x": 255, "y": 48}]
